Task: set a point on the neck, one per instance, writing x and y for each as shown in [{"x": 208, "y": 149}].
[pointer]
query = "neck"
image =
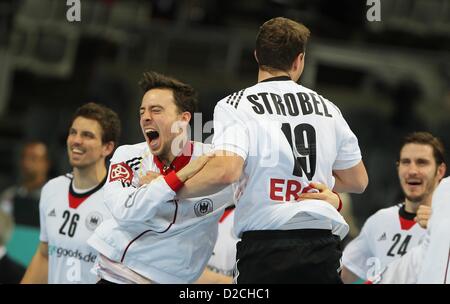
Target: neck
[
  {"x": 35, "y": 183},
  {"x": 263, "y": 74},
  {"x": 85, "y": 178},
  {"x": 412, "y": 207},
  {"x": 167, "y": 158}
]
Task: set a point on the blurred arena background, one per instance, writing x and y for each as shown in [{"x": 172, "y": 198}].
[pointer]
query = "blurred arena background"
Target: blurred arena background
[{"x": 388, "y": 77}]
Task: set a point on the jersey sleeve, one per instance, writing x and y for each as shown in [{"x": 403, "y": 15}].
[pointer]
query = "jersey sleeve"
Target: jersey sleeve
[
  {"x": 230, "y": 131},
  {"x": 43, "y": 236},
  {"x": 348, "y": 151},
  {"x": 357, "y": 254},
  {"x": 130, "y": 203}
]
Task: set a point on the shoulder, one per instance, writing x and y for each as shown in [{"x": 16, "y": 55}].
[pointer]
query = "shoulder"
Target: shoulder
[
  {"x": 383, "y": 214},
  {"x": 388, "y": 211},
  {"x": 131, "y": 152},
  {"x": 57, "y": 184},
  {"x": 329, "y": 104},
  {"x": 200, "y": 148},
  {"x": 233, "y": 100}
]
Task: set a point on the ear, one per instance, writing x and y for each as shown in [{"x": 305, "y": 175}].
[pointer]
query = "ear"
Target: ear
[
  {"x": 441, "y": 171},
  {"x": 256, "y": 57},
  {"x": 298, "y": 61},
  {"x": 108, "y": 148},
  {"x": 186, "y": 117}
]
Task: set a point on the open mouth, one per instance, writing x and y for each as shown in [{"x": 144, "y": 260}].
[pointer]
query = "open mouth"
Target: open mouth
[
  {"x": 77, "y": 151},
  {"x": 152, "y": 134},
  {"x": 414, "y": 182}
]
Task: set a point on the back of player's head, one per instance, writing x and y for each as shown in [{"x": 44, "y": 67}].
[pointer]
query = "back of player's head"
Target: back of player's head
[
  {"x": 279, "y": 42},
  {"x": 185, "y": 96},
  {"x": 107, "y": 118},
  {"x": 6, "y": 226},
  {"x": 425, "y": 138}
]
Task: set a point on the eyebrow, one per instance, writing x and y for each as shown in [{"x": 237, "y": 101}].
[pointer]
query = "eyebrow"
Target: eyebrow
[{"x": 151, "y": 107}]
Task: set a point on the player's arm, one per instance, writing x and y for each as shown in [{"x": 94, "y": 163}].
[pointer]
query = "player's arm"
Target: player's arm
[
  {"x": 353, "y": 180},
  {"x": 138, "y": 202},
  {"x": 324, "y": 194},
  {"x": 222, "y": 170},
  {"x": 210, "y": 277},
  {"x": 231, "y": 144},
  {"x": 37, "y": 271},
  {"x": 349, "y": 277}
]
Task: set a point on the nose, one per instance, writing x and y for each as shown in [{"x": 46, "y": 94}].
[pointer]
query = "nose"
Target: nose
[
  {"x": 413, "y": 169},
  {"x": 146, "y": 116},
  {"x": 76, "y": 139}
]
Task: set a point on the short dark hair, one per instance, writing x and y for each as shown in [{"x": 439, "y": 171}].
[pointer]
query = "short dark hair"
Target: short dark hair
[
  {"x": 279, "y": 42},
  {"x": 107, "y": 118},
  {"x": 185, "y": 96},
  {"x": 426, "y": 138}
]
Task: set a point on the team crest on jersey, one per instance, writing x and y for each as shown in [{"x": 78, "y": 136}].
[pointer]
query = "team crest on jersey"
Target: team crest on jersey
[
  {"x": 203, "y": 207},
  {"x": 93, "y": 220},
  {"x": 121, "y": 172}
]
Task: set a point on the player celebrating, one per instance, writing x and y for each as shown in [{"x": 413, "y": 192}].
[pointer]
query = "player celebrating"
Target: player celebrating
[
  {"x": 71, "y": 205},
  {"x": 391, "y": 232},
  {"x": 275, "y": 138},
  {"x": 152, "y": 237}
]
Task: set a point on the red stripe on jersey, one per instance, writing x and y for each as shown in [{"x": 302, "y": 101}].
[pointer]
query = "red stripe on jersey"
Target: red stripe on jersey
[
  {"x": 74, "y": 201},
  {"x": 406, "y": 224},
  {"x": 225, "y": 214},
  {"x": 178, "y": 163}
]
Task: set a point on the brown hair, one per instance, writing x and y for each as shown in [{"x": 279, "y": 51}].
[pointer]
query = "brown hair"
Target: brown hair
[
  {"x": 279, "y": 42},
  {"x": 185, "y": 96},
  {"x": 425, "y": 138},
  {"x": 107, "y": 118}
]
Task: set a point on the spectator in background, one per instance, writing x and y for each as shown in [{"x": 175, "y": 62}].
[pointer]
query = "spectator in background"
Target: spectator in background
[
  {"x": 21, "y": 201},
  {"x": 10, "y": 271}
]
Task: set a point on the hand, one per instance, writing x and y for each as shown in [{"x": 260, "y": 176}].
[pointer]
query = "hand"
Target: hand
[
  {"x": 193, "y": 167},
  {"x": 148, "y": 177},
  {"x": 324, "y": 194},
  {"x": 423, "y": 215}
]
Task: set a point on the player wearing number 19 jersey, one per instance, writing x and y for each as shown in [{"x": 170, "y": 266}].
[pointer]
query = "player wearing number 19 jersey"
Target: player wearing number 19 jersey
[
  {"x": 72, "y": 206},
  {"x": 276, "y": 137}
]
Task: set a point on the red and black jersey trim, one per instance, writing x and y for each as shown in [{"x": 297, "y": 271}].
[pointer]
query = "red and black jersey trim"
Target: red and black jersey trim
[
  {"x": 178, "y": 163},
  {"x": 406, "y": 218},
  {"x": 76, "y": 199},
  {"x": 226, "y": 213}
]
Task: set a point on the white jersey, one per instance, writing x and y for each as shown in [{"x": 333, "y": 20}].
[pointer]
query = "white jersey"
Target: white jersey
[
  {"x": 429, "y": 262},
  {"x": 67, "y": 220},
  {"x": 161, "y": 239},
  {"x": 385, "y": 236},
  {"x": 223, "y": 257},
  {"x": 288, "y": 136}
]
